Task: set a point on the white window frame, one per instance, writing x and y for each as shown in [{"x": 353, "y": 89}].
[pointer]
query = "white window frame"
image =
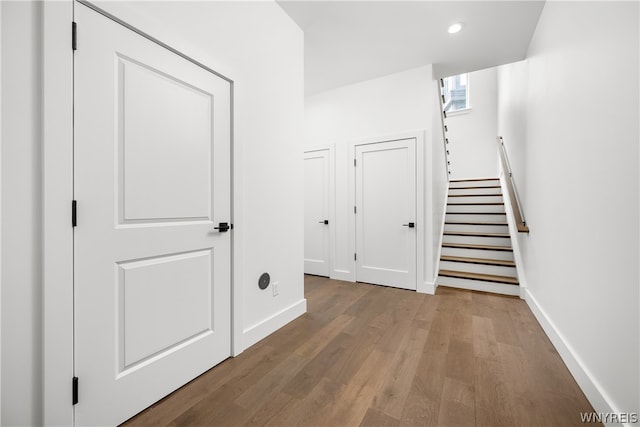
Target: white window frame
[{"x": 467, "y": 109}]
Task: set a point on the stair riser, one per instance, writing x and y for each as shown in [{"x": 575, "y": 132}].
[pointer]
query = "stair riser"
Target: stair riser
[
  {"x": 487, "y": 190},
  {"x": 476, "y": 199},
  {"x": 477, "y": 228},
  {"x": 474, "y": 183},
  {"x": 474, "y": 240},
  {"x": 478, "y": 253},
  {"x": 466, "y": 267},
  {"x": 477, "y": 285},
  {"x": 475, "y": 217},
  {"x": 475, "y": 208}
]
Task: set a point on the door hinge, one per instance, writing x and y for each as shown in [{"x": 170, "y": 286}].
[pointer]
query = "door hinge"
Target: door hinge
[
  {"x": 354, "y": 162},
  {"x": 74, "y": 390},
  {"x": 74, "y": 36},
  {"x": 74, "y": 213},
  {"x": 354, "y": 209},
  {"x": 355, "y": 257}
]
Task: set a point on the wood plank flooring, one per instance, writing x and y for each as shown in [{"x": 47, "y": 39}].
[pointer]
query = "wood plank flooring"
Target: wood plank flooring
[{"x": 366, "y": 355}]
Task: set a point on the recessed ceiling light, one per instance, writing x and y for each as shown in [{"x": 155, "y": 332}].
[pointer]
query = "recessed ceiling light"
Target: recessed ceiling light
[{"x": 455, "y": 28}]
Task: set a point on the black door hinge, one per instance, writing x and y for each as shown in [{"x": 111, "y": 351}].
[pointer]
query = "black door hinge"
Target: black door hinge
[
  {"x": 74, "y": 36},
  {"x": 355, "y": 257},
  {"x": 74, "y": 213},
  {"x": 354, "y": 209},
  {"x": 74, "y": 390},
  {"x": 354, "y": 162}
]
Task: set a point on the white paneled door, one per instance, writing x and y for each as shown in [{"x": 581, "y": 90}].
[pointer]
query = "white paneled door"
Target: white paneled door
[
  {"x": 386, "y": 213},
  {"x": 152, "y": 181},
  {"x": 316, "y": 212}
]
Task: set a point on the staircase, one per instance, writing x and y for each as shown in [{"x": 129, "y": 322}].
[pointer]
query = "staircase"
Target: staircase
[{"x": 476, "y": 247}]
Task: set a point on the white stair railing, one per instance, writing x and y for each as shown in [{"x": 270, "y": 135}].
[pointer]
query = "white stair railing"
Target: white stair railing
[{"x": 443, "y": 115}]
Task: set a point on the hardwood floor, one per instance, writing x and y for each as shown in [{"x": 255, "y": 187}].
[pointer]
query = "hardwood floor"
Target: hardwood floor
[{"x": 378, "y": 356}]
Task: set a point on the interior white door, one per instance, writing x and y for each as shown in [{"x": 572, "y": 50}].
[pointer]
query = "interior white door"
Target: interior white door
[
  {"x": 152, "y": 179},
  {"x": 316, "y": 212},
  {"x": 386, "y": 213}
]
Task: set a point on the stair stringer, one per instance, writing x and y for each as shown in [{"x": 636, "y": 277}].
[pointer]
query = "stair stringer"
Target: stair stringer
[
  {"x": 515, "y": 236},
  {"x": 436, "y": 268}
]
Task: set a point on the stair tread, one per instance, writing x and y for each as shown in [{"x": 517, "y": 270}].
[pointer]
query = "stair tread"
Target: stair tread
[
  {"x": 479, "y": 276},
  {"x": 474, "y": 246},
  {"x": 474, "y": 187},
  {"x": 474, "y": 179},
  {"x": 476, "y": 204},
  {"x": 475, "y": 234},
  {"x": 475, "y": 223},
  {"x": 475, "y": 213},
  {"x": 486, "y": 261},
  {"x": 476, "y": 195}
]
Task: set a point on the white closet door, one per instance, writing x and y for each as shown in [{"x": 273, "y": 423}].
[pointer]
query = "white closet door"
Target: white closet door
[
  {"x": 152, "y": 180},
  {"x": 316, "y": 213},
  {"x": 386, "y": 213}
]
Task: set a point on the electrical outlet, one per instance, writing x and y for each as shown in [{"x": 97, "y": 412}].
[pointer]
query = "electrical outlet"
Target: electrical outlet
[{"x": 274, "y": 285}]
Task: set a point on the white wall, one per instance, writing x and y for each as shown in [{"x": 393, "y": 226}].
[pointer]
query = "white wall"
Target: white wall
[
  {"x": 472, "y": 133},
  {"x": 261, "y": 49},
  {"x": 380, "y": 107},
  {"x": 569, "y": 116},
  {"x": 512, "y": 117},
  {"x": 393, "y": 103},
  {"x": 0, "y": 215},
  {"x": 21, "y": 214}
]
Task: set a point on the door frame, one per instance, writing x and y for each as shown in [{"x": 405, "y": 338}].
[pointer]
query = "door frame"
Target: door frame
[
  {"x": 332, "y": 197},
  {"x": 57, "y": 181},
  {"x": 423, "y": 217}
]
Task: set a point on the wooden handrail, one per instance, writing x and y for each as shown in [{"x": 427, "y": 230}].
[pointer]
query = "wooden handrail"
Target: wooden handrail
[{"x": 518, "y": 214}]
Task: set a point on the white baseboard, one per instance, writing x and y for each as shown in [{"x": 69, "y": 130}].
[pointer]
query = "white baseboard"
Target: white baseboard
[
  {"x": 344, "y": 275},
  {"x": 426, "y": 288},
  {"x": 590, "y": 387},
  {"x": 255, "y": 333}
]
